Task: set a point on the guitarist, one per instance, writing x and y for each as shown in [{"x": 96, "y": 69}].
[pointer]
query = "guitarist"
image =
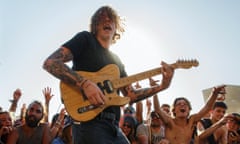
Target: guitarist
[{"x": 89, "y": 51}]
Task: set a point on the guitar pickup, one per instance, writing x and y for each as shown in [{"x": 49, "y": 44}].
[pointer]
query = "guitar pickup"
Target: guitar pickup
[{"x": 106, "y": 86}]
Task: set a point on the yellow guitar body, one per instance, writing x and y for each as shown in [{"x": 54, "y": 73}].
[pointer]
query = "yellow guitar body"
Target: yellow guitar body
[{"x": 78, "y": 106}]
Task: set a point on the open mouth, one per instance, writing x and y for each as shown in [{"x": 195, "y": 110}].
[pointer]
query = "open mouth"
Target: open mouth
[
  {"x": 107, "y": 27},
  {"x": 182, "y": 110}
]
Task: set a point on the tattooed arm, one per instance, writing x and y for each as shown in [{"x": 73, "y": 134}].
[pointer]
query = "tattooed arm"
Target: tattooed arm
[
  {"x": 55, "y": 65},
  {"x": 143, "y": 93}
]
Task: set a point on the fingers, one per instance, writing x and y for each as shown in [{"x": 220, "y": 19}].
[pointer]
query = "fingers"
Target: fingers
[
  {"x": 167, "y": 69},
  {"x": 153, "y": 82},
  {"x": 6, "y": 129},
  {"x": 93, "y": 93},
  {"x": 102, "y": 97},
  {"x": 97, "y": 99},
  {"x": 167, "y": 74},
  {"x": 63, "y": 111},
  {"x": 17, "y": 94},
  {"x": 47, "y": 92},
  {"x": 138, "y": 85},
  {"x": 219, "y": 90},
  {"x": 220, "y": 86}
]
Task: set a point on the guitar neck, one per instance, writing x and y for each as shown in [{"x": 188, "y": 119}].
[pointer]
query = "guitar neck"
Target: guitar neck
[{"x": 118, "y": 83}]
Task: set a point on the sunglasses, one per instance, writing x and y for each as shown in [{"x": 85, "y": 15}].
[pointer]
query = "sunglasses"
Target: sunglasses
[
  {"x": 155, "y": 115},
  {"x": 127, "y": 125}
]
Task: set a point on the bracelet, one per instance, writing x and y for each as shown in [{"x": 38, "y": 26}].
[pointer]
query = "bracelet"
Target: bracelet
[
  {"x": 58, "y": 122},
  {"x": 56, "y": 128},
  {"x": 82, "y": 83}
]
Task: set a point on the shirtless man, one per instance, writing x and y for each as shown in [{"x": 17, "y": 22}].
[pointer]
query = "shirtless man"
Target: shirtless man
[{"x": 180, "y": 128}]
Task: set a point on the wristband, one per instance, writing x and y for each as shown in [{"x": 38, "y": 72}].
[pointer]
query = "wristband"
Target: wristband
[
  {"x": 82, "y": 83},
  {"x": 58, "y": 122}
]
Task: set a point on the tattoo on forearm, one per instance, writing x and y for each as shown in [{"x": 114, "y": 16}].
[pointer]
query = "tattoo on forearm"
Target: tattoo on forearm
[
  {"x": 56, "y": 66},
  {"x": 144, "y": 93}
]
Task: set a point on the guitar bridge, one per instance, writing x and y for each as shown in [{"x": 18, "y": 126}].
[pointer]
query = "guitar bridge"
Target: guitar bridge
[{"x": 86, "y": 108}]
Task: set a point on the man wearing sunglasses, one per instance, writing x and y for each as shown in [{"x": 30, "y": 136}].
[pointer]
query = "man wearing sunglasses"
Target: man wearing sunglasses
[{"x": 152, "y": 133}]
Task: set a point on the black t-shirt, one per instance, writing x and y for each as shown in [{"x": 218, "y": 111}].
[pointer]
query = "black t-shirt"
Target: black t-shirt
[
  {"x": 206, "y": 122},
  {"x": 90, "y": 56}
]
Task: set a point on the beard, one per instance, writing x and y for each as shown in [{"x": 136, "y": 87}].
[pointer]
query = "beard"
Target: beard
[
  {"x": 31, "y": 121},
  {"x": 155, "y": 124}
]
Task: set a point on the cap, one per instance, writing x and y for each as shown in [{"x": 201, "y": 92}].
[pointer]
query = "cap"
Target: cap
[
  {"x": 129, "y": 110},
  {"x": 131, "y": 120}
]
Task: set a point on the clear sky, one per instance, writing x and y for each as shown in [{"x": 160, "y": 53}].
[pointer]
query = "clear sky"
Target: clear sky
[{"x": 156, "y": 30}]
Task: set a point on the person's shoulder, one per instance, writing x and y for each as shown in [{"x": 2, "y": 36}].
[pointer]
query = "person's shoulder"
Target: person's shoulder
[
  {"x": 44, "y": 124},
  {"x": 142, "y": 126},
  {"x": 19, "y": 128},
  {"x": 84, "y": 33},
  {"x": 142, "y": 130}
]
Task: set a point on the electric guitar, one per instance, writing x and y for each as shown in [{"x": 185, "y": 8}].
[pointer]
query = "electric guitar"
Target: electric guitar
[{"x": 109, "y": 81}]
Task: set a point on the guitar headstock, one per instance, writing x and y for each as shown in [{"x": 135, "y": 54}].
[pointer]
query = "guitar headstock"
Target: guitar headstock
[{"x": 186, "y": 64}]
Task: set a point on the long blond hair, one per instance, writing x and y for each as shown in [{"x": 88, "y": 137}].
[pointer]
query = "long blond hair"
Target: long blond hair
[{"x": 113, "y": 16}]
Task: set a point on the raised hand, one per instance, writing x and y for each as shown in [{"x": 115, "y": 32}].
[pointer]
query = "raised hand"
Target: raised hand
[
  {"x": 220, "y": 91},
  {"x": 47, "y": 92},
  {"x": 17, "y": 94},
  {"x": 167, "y": 74}
]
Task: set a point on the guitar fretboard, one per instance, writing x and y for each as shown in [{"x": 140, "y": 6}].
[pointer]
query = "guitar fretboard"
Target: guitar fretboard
[{"x": 118, "y": 83}]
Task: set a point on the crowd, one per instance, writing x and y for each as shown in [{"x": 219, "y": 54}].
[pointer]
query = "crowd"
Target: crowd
[
  {"x": 162, "y": 125},
  {"x": 90, "y": 54},
  {"x": 33, "y": 125}
]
